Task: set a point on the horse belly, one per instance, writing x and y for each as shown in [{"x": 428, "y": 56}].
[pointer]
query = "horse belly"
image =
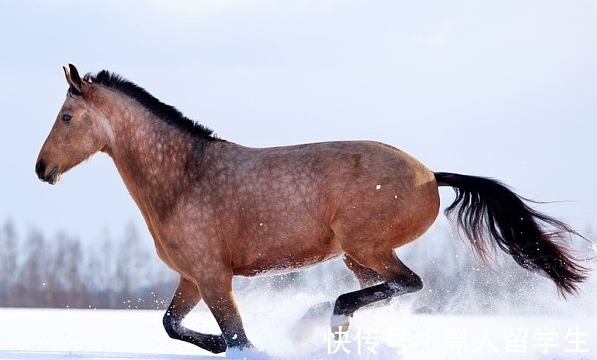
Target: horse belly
[{"x": 284, "y": 251}]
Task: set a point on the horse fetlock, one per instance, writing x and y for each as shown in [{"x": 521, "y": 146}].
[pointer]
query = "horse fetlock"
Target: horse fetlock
[
  {"x": 236, "y": 338},
  {"x": 212, "y": 343},
  {"x": 171, "y": 325}
]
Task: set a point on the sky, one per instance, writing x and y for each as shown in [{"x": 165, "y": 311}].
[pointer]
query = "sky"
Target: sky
[{"x": 506, "y": 89}]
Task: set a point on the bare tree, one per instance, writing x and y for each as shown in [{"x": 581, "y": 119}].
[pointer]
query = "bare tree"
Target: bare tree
[
  {"x": 8, "y": 264},
  {"x": 132, "y": 266},
  {"x": 32, "y": 271},
  {"x": 68, "y": 258}
]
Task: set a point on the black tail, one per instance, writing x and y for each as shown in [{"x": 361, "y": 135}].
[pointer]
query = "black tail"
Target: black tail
[{"x": 486, "y": 209}]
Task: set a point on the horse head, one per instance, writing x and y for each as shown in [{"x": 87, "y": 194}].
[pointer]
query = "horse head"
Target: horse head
[{"x": 80, "y": 130}]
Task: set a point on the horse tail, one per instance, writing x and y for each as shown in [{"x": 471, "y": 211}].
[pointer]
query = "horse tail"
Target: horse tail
[{"x": 491, "y": 214}]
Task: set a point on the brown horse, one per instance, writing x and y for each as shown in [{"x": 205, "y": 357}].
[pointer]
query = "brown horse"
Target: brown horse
[{"x": 216, "y": 209}]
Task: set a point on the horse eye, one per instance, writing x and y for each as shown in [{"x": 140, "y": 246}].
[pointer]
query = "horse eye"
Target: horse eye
[{"x": 66, "y": 117}]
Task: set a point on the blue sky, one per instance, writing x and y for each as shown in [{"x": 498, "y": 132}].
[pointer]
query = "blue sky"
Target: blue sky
[{"x": 504, "y": 89}]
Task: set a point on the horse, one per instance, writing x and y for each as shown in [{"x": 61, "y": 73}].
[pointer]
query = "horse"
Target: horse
[{"x": 216, "y": 209}]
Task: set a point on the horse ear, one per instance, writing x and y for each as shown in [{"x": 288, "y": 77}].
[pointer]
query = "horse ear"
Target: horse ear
[{"x": 73, "y": 79}]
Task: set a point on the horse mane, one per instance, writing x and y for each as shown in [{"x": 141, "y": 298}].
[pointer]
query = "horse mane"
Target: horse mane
[{"x": 166, "y": 113}]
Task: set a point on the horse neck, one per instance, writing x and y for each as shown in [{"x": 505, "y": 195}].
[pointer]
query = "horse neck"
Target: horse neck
[{"x": 151, "y": 156}]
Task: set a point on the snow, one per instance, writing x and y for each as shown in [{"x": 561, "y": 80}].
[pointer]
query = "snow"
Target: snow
[
  {"x": 388, "y": 332},
  {"x": 293, "y": 323}
]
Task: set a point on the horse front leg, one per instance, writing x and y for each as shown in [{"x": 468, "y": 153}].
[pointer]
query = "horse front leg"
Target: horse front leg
[
  {"x": 185, "y": 298},
  {"x": 217, "y": 293}
]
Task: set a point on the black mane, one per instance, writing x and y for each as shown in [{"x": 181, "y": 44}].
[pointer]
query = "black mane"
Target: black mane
[{"x": 167, "y": 113}]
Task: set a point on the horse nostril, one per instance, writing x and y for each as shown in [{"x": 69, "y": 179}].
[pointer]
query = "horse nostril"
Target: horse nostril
[{"x": 40, "y": 169}]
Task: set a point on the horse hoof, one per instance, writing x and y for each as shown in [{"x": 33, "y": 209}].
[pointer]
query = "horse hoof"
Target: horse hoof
[
  {"x": 246, "y": 353},
  {"x": 317, "y": 311},
  {"x": 339, "y": 325},
  {"x": 314, "y": 317}
]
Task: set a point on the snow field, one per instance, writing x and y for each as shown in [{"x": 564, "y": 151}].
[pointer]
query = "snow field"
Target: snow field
[{"x": 377, "y": 333}]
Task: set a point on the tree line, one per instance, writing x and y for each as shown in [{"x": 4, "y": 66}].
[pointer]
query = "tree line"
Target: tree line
[{"x": 64, "y": 271}]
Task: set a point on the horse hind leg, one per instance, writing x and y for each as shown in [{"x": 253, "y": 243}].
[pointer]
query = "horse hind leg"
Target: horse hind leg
[
  {"x": 185, "y": 299},
  {"x": 399, "y": 280},
  {"x": 323, "y": 310},
  {"x": 365, "y": 276}
]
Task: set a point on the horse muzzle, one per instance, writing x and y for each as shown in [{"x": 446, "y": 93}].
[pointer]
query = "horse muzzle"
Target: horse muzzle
[{"x": 40, "y": 170}]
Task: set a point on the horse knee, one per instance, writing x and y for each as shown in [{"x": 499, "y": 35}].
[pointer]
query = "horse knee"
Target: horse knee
[
  {"x": 418, "y": 285},
  {"x": 406, "y": 285}
]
